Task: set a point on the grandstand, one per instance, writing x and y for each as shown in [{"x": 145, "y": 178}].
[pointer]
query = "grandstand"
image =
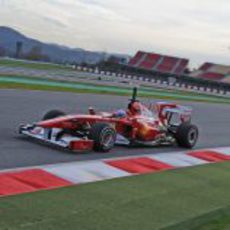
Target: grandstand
[
  {"x": 171, "y": 71},
  {"x": 159, "y": 63},
  {"x": 214, "y": 72}
]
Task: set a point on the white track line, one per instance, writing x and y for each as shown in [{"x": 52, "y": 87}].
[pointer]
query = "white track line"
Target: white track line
[
  {"x": 83, "y": 173},
  {"x": 178, "y": 159}
]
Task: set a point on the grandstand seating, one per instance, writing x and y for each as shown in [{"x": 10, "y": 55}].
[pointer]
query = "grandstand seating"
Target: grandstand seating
[
  {"x": 168, "y": 64},
  {"x": 205, "y": 66},
  {"x": 150, "y": 61},
  {"x": 212, "y": 71},
  {"x": 159, "y": 63},
  {"x": 183, "y": 64},
  {"x": 175, "y": 65},
  {"x": 139, "y": 55},
  {"x": 211, "y": 76}
]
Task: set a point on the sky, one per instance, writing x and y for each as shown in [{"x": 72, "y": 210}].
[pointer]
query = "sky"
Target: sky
[{"x": 194, "y": 29}]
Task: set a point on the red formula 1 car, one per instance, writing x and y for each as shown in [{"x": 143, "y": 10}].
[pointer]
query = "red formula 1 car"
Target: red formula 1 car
[{"x": 161, "y": 124}]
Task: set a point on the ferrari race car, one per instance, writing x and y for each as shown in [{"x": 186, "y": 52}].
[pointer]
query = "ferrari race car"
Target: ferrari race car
[{"x": 160, "y": 124}]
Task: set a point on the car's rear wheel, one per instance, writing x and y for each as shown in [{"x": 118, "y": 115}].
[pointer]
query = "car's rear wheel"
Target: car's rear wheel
[
  {"x": 103, "y": 135},
  {"x": 187, "y": 135},
  {"x": 53, "y": 114}
]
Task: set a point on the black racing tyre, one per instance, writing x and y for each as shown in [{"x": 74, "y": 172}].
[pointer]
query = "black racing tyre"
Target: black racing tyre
[
  {"x": 53, "y": 114},
  {"x": 187, "y": 135},
  {"x": 103, "y": 135}
]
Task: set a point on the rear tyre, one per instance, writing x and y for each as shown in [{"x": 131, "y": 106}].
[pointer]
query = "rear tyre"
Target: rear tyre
[
  {"x": 53, "y": 114},
  {"x": 187, "y": 135},
  {"x": 104, "y": 137}
]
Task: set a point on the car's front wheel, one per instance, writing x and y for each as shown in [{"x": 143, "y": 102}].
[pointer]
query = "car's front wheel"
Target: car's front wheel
[
  {"x": 53, "y": 114},
  {"x": 103, "y": 135}
]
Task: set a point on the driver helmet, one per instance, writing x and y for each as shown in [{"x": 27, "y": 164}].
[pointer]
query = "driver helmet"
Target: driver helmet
[{"x": 120, "y": 113}]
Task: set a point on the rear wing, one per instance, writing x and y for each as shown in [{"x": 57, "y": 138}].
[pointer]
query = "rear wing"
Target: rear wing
[
  {"x": 167, "y": 111},
  {"x": 179, "y": 110}
]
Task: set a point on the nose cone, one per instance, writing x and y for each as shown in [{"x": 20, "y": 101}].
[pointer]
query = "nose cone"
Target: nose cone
[{"x": 59, "y": 122}]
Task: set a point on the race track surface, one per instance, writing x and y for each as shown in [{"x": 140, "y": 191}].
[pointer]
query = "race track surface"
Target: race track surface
[{"x": 19, "y": 106}]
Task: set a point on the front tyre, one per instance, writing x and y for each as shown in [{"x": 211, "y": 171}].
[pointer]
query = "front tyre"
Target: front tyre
[
  {"x": 187, "y": 135},
  {"x": 104, "y": 137},
  {"x": 53, "y": 114}
]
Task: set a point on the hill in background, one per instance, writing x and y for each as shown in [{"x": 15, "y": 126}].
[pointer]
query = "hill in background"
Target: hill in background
[{"x": 15, "y": 44}]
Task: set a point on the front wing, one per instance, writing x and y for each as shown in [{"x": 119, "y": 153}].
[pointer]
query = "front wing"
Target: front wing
[{"x": 51, "y": 136}]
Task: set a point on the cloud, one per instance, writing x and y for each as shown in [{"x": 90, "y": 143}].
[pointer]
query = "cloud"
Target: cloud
[
  {"x": 191, "y": 27},
  {"x": 53, "y": 21}
]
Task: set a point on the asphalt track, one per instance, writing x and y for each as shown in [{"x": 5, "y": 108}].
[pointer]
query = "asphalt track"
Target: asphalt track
[{"x": 19, "y": 106}]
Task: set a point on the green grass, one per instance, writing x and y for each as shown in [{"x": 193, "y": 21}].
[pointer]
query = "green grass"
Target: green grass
[
  {"x": 79, "y": 87},
  {"x": 190, "y": 198},
  {"x": 219, "y": 222},
  {"x": 32, "y": 65}
]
